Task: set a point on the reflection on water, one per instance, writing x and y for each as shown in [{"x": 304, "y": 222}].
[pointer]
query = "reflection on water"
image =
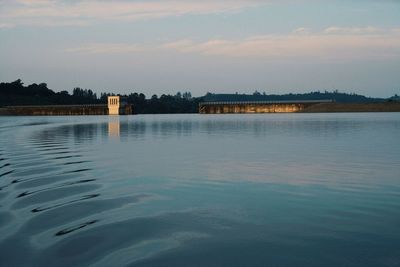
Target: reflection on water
[
  {"x": 191, "y": 190},
  {"x": 114, "y": 127}
]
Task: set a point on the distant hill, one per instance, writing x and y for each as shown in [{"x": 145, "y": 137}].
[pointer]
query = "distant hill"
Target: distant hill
[{"x": 336, "y": 96}]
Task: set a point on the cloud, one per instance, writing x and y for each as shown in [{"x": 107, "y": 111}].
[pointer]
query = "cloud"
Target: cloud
[
  {"x": 328, "y": 44},
  {"x": 351, "y": 43},
  {"x": 57, "y": 12},
  {"x": 6, "y": 25},
  {"x": 353, "y": 30},
  {"x": 302, "y": 30},
  {"x": 110, "y": 48},
  {"x": 35, "y": 2}
]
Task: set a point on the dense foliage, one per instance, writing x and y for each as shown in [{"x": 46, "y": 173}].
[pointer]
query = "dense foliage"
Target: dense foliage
[
  {"x": 165, "y": 104},
  {"x": 15, "y": 93},
  {"x": 335, "y": 95}
]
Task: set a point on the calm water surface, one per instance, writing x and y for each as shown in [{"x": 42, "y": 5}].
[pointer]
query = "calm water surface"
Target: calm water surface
[{"x": 193, "y": 190}]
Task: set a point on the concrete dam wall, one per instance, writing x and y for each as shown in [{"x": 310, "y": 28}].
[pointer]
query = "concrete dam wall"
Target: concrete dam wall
[
  {"x": 258, "y": 106},
  {"x": 116, "y": 105},
  {"x": 55, "y": 110},
  {"x": 310, "y": 106}
]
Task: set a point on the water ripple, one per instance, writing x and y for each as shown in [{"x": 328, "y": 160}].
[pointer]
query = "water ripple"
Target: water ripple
[
  {"x": 5, "y": 165},
  {"x": 75, "y": 228},
  {"x": 76, "y": 162},
  {"x": 43, "y": 180},
  {"x": 6, "y": 173},
  {"x": 27, "y": 193},
  {"x": 40, "y": 209},
  {"x": 68, "y": 157},
  {"x": 79, "y": 170}
]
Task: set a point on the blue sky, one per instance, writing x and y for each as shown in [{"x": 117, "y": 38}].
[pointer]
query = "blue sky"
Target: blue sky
[{"x": 165, "y": 46}]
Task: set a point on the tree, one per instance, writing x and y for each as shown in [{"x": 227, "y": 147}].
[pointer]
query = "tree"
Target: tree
[
  {"x": 17, "y": 83},
  {"x": 187, "y": 95}
]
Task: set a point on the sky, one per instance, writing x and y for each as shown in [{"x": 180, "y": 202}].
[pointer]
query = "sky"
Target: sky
[{"x": 220, "y": 46}]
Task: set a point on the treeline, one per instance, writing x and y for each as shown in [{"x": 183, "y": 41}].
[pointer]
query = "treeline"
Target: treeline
[
  {"x": 15, "y": 93},
  {"x": 318, "y": 95},
  {"x": 165, "y": 104}
]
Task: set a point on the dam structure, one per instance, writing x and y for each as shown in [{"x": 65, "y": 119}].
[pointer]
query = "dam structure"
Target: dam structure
[
  {"x": 116, "y": 105},
  {"x": 55, "y": 110},
  {"x": 284, "y": 106}
]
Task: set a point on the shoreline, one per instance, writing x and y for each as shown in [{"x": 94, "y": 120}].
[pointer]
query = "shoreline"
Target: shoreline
[{"x": 86, "y": 110}]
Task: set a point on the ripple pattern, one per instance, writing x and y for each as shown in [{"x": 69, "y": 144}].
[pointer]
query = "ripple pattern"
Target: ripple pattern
[{"x": 187, "y": 190}]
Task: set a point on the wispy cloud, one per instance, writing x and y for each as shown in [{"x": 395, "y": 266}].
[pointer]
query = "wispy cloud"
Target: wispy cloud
[
  {"x": 329, "y": 44},
  {"x": 6, "y": 25},
  {"x": 301, "y": 30},
  {"x": 58, "y": 12},
  {"x": 355, "y": 30},
  {"x": 110, "y": 48}
]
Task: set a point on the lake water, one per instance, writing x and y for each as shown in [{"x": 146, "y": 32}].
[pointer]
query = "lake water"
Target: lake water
[{"x": 201, "y": 190}]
